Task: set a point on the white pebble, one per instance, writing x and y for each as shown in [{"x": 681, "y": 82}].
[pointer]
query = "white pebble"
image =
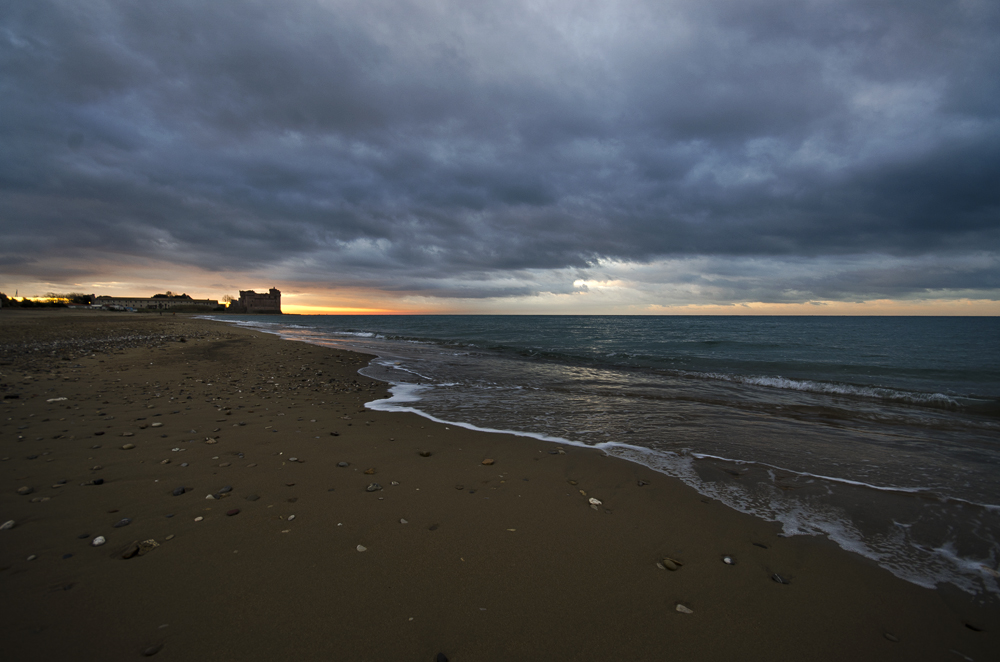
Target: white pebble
[
  {"x": 98, "y": 541},
  {"x": 291, "y": 517},
  {"x": 210, "y": 496},
  {"x": 362, "y": 548},
  {"x": 198, "y": 518},
  {"x": 684, "y": 610},
  {"x": 595, "y": 502},
  {"x": 403, "y": 521},
  {"x": 293, "y": 459}
]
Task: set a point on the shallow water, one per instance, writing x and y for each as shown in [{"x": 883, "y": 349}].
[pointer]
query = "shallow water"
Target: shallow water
[{"x": 881, "y": 433}]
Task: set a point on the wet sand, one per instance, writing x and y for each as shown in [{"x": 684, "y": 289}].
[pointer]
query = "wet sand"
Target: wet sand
[{"x": 507, "y": 560}]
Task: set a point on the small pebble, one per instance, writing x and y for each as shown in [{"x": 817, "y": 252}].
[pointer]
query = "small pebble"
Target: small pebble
[
  {"x": 595, "y": 502},
  {"x": 291, "y": 517},
  {"x": 32, "y": 557},
  {"x": 362, "y": 548},
  {"x": 179, "y": 491},
  {"x": 169, "y": 537},
  {"x": 460, "y": 487},
  {"x": 234, "y": 511},
  {"x": 97, "y": 481},
  {"x": 425, "y": 453},
  {"x": 225, "y": 489},
  {"x": 9, "y": 524},
  {"x": 157, "y": 425},
  {"x": 224, "y": 464},
  {"x": 684, "y": 610},
  {"x": 122, "y": 522},
  {"x": 128, "y": 447},
  {"x": 369, "y": 472},
  {"x": 891, "y": 637},
  {"x": 488, "y": 462},
  {"x": 198, "y": 518},
  {"x": 25, "y": 490},
  {"x": 210, "y": 496},
  {"x": 374, "y": 487},
  {"x": 728, "y": 560},
  {"x": 152, "y": 650},
  {"x": 293, "y": 459},
  {"x": 343, "y": 464},
  {"x": 98, "y": 541},
  {"x": 670, "y": 564},
  {"x": 403, "y": 521}
]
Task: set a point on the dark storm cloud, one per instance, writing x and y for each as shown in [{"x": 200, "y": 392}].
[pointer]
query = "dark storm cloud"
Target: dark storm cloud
[{"x": 444, "y": 149}]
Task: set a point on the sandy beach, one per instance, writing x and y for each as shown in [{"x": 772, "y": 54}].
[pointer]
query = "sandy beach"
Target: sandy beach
[{"x": 267, "y": 514}]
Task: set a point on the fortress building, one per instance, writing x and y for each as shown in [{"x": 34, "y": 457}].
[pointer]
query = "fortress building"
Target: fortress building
[
  {"x": 252, "y": 303},
  {"x": 157, "y": 302}
]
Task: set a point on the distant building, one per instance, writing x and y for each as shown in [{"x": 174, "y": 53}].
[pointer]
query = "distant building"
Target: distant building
[
  {"x": 252, "y": 303},
  {"x": 158, "y": 302}
]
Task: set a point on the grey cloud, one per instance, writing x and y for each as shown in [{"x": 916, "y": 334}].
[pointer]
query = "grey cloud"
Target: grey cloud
[{"x": 431, "y": 146}]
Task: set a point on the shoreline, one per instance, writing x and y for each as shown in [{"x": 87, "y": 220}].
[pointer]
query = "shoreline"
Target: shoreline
[{"x": 515, "y": 564}]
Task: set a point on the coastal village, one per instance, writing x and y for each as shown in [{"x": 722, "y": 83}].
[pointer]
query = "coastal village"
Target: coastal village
[{"x": 249, "y": 303}]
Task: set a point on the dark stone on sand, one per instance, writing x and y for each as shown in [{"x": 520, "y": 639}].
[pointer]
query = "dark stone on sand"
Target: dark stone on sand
[
  {"x": 234, "y": 511},
  {"x": 425, "y": 453},
  {"x": 334, "y": 434},
  {"x": 83, "y": 536},
  {"x": 374, "y": 487},
  {"x": 440, "y": 657},
  {"x": 252, "y": 497},
  {"x": 225, "y": 489},
  {"x": 66, "y": 556},
  {"x": 97, "y": 481},
  {"x": 122, "y": 522},
  {"x": 642, "y": 483},
  {"x": 99, "y": 433},
  {"x": 343, "y": 464},
  {"x": 152, "y": 650},
  {"x": 131, "y": 550},
  {"x": 460, "y": 487},
  {"x": 179, "y": 491}
]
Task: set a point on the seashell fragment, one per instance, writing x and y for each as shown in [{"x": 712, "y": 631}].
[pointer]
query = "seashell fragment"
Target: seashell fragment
[
  {"x": 684, "y": 610},
  {"x": 670, "y": 565},
  {"x": 595, "y": 502},
  {"x": 778, "y": 578},
  {"x": 9, "y": 524},
  {"x": 487, "y": 462}
]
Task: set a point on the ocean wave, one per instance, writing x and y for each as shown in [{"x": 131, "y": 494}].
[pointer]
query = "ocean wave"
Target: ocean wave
[{"x": 938, "y": 400}]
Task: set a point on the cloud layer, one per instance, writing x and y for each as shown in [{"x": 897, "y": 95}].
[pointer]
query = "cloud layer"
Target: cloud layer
[{"x": 771, "y": 150}]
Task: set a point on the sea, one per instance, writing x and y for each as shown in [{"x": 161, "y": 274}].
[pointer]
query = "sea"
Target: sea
[{"x": 880, "y": 433}]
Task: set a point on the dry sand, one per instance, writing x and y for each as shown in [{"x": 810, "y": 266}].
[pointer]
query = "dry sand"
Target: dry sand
[{"x": 502, "y": 561}]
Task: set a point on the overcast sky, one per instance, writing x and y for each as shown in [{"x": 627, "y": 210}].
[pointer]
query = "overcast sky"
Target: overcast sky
[{"x": 512, "y": 156}]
